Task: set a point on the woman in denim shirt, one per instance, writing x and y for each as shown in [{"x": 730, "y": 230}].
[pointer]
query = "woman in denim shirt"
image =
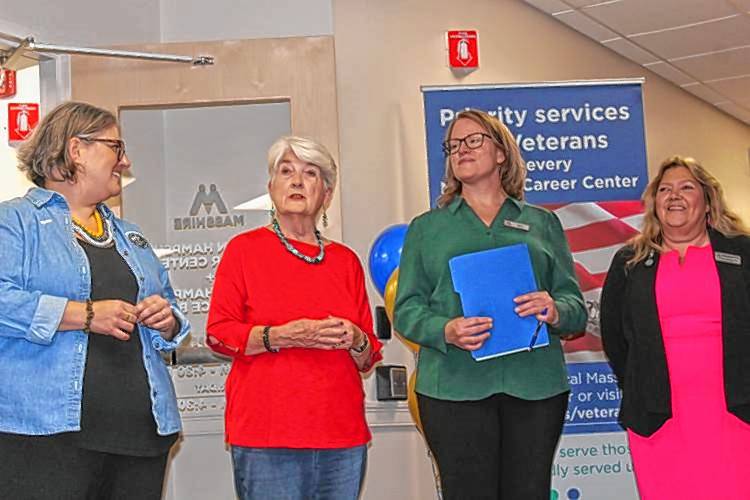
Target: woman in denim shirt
[{"x": 87, "y": 407}]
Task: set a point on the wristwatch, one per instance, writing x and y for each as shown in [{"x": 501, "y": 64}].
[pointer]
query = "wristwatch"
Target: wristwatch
[{"x": 361, "y": 348}]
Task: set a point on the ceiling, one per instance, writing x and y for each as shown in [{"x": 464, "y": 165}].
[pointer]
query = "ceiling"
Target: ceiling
[{"x": 703, "y": 46}]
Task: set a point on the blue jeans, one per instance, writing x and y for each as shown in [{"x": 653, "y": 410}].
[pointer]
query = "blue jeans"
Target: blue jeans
[{"x": 292, "y": 474}]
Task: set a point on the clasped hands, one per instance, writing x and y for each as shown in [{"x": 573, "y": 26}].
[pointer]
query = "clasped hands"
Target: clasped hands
[
  {"x": 328, "y": 333},
  {"x": 470, "y": 333},
  {"x": 117, "y": 318}
]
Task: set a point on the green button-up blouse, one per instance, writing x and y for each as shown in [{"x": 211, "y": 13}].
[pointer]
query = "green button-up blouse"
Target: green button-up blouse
[{"x": 426, "y": 301}]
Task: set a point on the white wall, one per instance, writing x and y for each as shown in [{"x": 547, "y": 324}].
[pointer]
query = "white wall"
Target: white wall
[
  {"x": 90, "y": 23},
  {"x": 194, "y": 20},
  {"x": 85, "y": 22},
  {"x": 12, "y": 182}
]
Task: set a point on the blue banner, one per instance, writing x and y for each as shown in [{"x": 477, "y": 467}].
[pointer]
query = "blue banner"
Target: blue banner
[
  {"x": 581, "y": 141},
  {"x": 594, "y": 403}
]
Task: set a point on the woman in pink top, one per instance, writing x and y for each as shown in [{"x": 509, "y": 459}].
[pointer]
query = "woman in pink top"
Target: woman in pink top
[{"x": 675, "y": 313}]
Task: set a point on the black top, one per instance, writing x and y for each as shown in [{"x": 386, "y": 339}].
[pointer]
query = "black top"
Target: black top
[
  {"x": 116, "y": 414},
  {"x": 632, "y": 336}
]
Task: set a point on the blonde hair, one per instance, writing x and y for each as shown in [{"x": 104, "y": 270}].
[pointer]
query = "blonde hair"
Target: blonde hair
[
  {"x": 45, "y": 154},
  {"x": 719, "y": 217},
  {"x": 512, "y": 170},
  {"x": 306, "y": 150}
]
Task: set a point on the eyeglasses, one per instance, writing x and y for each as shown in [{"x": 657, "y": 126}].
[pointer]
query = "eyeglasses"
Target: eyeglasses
[
  {"x": 116, "y": 145},
  {"x": 472, "y": 141}
]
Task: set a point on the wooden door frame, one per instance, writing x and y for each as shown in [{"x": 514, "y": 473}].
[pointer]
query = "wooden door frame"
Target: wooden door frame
[{"x": 299, "y": 70}]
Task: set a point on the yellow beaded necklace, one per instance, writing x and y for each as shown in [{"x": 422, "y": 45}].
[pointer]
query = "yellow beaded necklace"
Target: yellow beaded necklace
[
  {"x": 99, "y": 225},
  {"x": 102, "y": 237}
]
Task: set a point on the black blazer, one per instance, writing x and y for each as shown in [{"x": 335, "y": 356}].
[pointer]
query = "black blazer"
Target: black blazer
[{"x": 633, "y": 341}]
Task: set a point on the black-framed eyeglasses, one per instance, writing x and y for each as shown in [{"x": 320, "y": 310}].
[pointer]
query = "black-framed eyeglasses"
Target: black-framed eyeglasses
[
  {"x": 116, "y": 145},
  {"x": 472, "y": 141}
]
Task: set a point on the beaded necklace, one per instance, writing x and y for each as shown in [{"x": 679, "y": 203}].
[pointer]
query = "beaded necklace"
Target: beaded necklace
[
  {"x": 310, "y": 260},
  {"x": 102, "y": 237}
]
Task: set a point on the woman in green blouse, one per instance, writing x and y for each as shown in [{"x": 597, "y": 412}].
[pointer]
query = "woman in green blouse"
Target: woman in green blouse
[{"x": 492, "y": 425}]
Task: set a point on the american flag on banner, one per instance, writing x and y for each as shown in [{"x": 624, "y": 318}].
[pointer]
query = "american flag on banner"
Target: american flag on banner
[{"x": 595, "y": 231}]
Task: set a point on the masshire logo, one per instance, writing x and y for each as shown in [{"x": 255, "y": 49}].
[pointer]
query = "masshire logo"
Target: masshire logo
[{"x": 216, "y": 214}]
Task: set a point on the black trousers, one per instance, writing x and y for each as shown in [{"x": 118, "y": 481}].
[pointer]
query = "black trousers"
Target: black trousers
[
  {"x": 49, "y": 468},
  {"x": 498, "y": 448}
]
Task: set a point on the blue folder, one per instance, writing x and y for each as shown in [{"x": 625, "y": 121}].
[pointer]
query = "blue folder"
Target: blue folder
[{"x": 487, "y": 283}]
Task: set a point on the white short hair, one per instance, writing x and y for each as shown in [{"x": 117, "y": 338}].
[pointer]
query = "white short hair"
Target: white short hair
[{"x": 306, "y": 150}]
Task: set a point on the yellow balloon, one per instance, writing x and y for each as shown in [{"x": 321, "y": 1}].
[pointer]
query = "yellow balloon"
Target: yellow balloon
[
  {"x": 412, "y": 401},
  {"x": 408, "y": 343},
  {"x": 391, "y": 287},
  {"x": 389, "y": 295}
]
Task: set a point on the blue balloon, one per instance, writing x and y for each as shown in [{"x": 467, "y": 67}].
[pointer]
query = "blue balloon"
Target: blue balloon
[{"x": 385, "y": 254}]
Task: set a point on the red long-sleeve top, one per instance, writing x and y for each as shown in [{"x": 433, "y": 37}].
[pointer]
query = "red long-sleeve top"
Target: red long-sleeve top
[{"x": 298, "y": 397}]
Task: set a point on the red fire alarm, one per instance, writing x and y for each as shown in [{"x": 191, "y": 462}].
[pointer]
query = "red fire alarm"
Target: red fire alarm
[
  {"x": 7, "y": 83},
  {"x": 22, "y": 118},
  {"x": 463, "y": 49}
]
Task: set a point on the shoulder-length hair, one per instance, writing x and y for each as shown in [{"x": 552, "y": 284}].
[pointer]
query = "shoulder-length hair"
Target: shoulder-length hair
[
  {"x": 45, "y": 154},
  {"x": 512, "y": 170},
  {"x": 719, "y": 217}
]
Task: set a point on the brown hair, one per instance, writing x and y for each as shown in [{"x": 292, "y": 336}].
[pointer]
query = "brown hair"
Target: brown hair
[
  {"x": 719, "y": 217},
  {"x": 45, "y": 154},
  {"x": 512, "y": 170}
]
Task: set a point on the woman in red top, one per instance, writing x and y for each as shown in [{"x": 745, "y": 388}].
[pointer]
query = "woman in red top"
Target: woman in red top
[{"x": 291, "y": 308}]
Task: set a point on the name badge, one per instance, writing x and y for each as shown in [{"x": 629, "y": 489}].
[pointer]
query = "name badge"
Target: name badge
[
  {"x": 516, "y": 225},
  {"x": 728, "y": 258}
]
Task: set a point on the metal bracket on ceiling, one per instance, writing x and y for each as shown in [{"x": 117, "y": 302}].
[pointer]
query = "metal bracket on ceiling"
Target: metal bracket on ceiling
[{"x": 10, "y": 58}]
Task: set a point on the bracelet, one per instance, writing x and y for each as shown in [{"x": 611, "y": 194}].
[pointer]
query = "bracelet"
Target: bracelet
[
  {"x": 362, "y": 348},
  {"x": 89, "y": 316},
  {"x": 267, "y": 341}
]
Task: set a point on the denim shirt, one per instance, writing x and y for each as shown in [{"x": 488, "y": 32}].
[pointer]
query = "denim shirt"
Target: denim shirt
[{"x": 42, "y": 267}]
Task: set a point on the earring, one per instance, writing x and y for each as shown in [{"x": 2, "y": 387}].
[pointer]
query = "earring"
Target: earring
[
  {"x": 272, "y": 212},
  {"x": 325, "y": 219}
]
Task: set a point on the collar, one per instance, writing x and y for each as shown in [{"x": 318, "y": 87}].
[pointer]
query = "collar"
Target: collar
[
  {"x": 40, "y": 197},
  {"x": 105, "y": 210},
  {"x": 721, "y": 243},
  {"x": 454, "y": 205}
]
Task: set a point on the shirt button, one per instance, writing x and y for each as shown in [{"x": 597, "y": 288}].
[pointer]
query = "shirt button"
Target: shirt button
[
  {"x": 141, "y": 278},
  {"x": 83, "y": 269},
  {"x": 125, "y": 253},
  {"x": 80, "y": 347}
]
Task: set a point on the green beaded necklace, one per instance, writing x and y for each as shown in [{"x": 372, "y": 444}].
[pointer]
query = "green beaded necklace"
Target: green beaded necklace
[{"x": 310, "y": 260}]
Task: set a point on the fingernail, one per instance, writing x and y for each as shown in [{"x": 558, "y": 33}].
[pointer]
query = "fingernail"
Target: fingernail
[{"x": 516, "y": 309}]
